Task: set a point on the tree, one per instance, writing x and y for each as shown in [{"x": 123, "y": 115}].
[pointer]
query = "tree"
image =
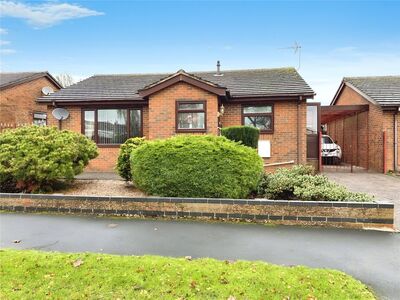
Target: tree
[{"x": 65, "y": 79}]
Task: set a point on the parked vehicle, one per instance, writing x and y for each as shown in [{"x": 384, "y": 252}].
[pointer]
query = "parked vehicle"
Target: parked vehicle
[{"x": 330, "y": 151}]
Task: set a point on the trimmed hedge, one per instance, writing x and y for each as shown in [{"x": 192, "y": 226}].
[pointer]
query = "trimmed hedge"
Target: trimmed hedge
[
  {"x": 123, "y": 163},
  {"x": 196, "y": 166},
  {"x": 246, "y": 134},
  {"x": 300, "y": 183},
  {"x": 34, "y": 158}
]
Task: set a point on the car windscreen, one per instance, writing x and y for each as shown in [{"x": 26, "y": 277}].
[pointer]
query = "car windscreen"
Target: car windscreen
[{"x": 326, "y": 140}]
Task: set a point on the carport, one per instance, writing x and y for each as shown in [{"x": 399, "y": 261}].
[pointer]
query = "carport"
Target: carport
[{"x": 348, "y": 125}]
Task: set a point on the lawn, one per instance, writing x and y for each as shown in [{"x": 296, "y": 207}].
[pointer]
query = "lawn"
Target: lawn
[{"x": 41, "y": 275}]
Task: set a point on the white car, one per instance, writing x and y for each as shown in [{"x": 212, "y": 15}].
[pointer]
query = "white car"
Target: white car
[{"x": 330, "y": 151}]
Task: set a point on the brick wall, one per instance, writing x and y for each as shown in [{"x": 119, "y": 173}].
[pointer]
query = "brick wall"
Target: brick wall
[
  {"x": 321, "y": 213},
  {"x": 365, "y": 146},
  {"x": 159, "y": 122},
  {"x": 284, "y": 138},
  {"x": 18, "y": 103},
  {"x": 162, "y": 106}
]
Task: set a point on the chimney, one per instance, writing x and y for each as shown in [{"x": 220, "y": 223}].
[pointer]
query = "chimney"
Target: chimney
[{"x": 218, "y": 69}]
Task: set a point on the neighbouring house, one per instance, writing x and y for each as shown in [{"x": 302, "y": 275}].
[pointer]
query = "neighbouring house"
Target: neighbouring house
[
  {"x": 363, "y": 119},
  {"x": 111, "y": 108},
  {"x": 18, "y": 94}
]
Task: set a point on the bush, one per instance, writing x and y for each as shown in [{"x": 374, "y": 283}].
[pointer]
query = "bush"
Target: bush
[
  {"x": 123, "y": 163},
  {"x": 34, "y": 158},
  {"x": 196, "y": 166},
  {"x": 246, "y": 134},
  {"x": 299, "y": 183}
]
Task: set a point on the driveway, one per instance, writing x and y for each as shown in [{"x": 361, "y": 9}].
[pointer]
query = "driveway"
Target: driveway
[
  {"x": 371, "y": 256},
  {"x": 383, "y": 187}
]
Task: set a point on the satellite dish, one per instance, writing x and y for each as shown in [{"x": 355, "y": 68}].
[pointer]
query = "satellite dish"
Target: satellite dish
[
  {"x": 47, "y": 90},
  {"x": 60, "y": 114}
]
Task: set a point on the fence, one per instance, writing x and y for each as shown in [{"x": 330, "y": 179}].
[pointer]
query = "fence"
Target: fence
[{"x": 4, "y": 126}]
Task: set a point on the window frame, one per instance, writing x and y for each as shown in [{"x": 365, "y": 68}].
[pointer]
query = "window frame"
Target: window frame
[
  {"x": 271, "y": 114},
  {"x": 128, "y": 123},
  {"x": 178, "y": 111},
  {"x": 39, "y": 112}
]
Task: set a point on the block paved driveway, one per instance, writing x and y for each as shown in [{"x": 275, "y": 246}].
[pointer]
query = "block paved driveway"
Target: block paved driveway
[{"x": 383, "y": 187}]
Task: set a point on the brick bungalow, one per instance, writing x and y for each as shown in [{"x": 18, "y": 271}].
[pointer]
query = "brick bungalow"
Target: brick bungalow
[
  {"x": 18, "y": 94},
  {"x": 370, "y": 135},
  {"x": 111, "y": 108}
]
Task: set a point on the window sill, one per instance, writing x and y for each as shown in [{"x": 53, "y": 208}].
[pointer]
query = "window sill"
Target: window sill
[
  {"x": 108, "y": 145},
  {"x": 191, "y": 131},
  {"x": 266, "y": 131}
]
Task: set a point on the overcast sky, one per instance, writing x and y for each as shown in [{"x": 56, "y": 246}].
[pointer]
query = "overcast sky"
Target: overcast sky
[{"x": 83, "y": 38}]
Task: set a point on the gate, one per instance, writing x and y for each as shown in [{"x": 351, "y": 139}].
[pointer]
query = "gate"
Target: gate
[{"x": 345, "y": 139}]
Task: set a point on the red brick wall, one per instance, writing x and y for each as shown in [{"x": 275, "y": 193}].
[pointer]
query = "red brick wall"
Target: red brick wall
[
  {"x": 159, "y": 122},
  {"x": 364, "y": 147},
  {"x": 162, "y": 106},
  {"x": 18, "y": 103},
  {"x": 284, "y": 138}
]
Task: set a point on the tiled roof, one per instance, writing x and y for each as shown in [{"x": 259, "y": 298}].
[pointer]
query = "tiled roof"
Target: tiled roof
[
  {"x": 11, "y": 79},
  {"x": 385, "y": 90},
  {"x": 257, "y": 82}
]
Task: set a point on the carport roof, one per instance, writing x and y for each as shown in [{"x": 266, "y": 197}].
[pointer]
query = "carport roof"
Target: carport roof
[{"x": 334, "y": 112}]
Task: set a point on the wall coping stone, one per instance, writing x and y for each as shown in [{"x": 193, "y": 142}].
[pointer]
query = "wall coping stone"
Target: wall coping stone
[{"x": 256, "y": 201}]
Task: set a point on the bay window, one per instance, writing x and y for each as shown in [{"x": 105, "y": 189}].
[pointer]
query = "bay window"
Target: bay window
[
  {"x": 260, "y": 116},
  {"x": 111, "y": 126},
  {"x": 190, "y": 116}
]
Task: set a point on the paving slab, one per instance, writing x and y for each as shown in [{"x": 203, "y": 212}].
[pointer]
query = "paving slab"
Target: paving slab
[{"x": 370, "y": 256}]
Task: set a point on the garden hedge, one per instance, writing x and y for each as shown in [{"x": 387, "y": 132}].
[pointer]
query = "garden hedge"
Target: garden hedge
[
  {"x": 196, "y": 166},
  {"x": 246, "y": 134},
  {"x": 34, "y": 158},
  {"x": 123, "y": 163}
]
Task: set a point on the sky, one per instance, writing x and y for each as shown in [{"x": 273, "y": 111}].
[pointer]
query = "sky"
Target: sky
[{"x": 82, "y": 38}]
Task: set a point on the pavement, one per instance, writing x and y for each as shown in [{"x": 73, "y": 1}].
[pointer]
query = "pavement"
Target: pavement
[
  {"x": 370, "y": 256},
  {"x": 98, "y": 176},
  {"x": 383, "y": 187}
]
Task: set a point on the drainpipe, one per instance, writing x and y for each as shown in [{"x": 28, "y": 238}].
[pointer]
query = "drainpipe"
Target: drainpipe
[
  {"x": 298, "y": 129},
  {"x": 396, "y": 139}
]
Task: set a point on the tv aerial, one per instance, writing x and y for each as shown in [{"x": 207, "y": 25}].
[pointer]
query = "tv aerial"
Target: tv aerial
[{"x": 297, "y": 50}]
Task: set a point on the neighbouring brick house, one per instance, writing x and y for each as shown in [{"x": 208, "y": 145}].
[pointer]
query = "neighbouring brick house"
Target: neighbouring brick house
[
  {"x": 18, "y": 94},
  {"x": 369, "y": 136},
  {"x": 111, "y": 108}
]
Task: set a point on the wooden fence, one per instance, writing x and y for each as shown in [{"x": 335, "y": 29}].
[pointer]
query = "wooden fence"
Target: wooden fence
[{"x": 4, "y": 126}]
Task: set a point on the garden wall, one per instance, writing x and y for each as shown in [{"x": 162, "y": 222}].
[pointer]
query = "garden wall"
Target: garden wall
[{"x": 321, "y": 213}]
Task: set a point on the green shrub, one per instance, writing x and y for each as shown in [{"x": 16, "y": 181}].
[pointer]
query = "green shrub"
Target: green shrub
[
  {"x": 196, "y": 166},
  {"x": 246, "y": 134},
  {"x": 123, "y": 163},
  {"x": 300, "y": 183},
  {"x": 34, "y": 158}
]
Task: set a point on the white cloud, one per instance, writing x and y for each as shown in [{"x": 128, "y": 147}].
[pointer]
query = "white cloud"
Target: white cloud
[
  {"x": 3, "y": 43},
  {"x": 7, "y": 51},
  {"x": 46, "y": 14},
  {"x": 3, "y": 31}
]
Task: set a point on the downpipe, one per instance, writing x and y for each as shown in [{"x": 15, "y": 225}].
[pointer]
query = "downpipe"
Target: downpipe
[{"x": 396, "y": 139}]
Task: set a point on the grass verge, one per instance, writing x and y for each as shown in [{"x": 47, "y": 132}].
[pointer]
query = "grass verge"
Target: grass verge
[{"x": 32, "y": 274}]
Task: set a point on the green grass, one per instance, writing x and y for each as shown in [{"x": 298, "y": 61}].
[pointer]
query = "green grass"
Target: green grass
[{"x": 51, "y": 275}]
